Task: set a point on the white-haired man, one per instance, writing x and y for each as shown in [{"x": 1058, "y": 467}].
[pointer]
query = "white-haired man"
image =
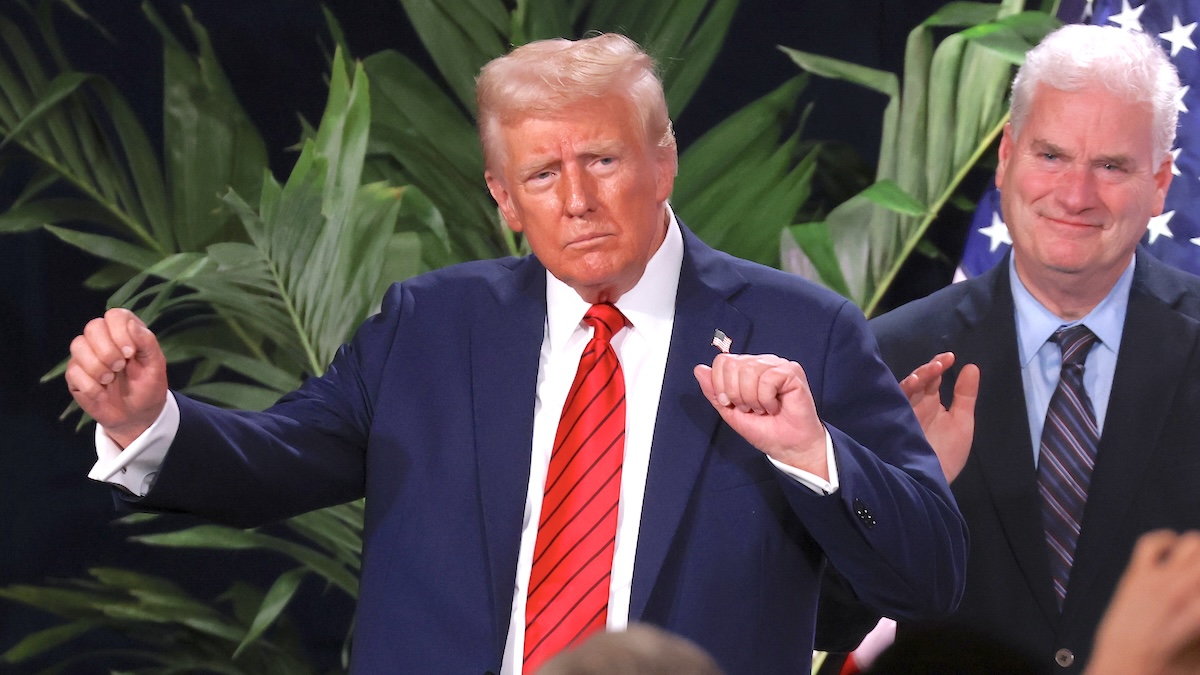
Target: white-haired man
[{"x": 1083, "y": 351}]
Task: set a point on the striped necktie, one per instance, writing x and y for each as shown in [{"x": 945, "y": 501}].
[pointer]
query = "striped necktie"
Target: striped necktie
[
  {"x": 572, "y": 558},
  {"x": 1067, "y": 455}
]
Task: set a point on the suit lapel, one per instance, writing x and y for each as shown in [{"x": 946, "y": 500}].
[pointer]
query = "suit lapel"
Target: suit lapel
[
  {"x": 506, "y": 340},
  {"x": 1144, "y": 386},
  {"x": 1002, "y": 451},
  {"x": 686, "y": 422}
]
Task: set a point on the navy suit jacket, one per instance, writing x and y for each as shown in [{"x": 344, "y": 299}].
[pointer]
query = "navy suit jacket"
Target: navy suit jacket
[
  {"x": 1147, "y": 466},
  {"x": 428, "y": 412}
]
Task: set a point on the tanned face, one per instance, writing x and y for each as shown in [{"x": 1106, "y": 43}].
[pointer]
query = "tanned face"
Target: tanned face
[{"x": 588, "y": 190}]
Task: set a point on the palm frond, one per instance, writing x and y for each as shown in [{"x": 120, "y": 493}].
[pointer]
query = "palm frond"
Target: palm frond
[{"x": 936, "y": 127}]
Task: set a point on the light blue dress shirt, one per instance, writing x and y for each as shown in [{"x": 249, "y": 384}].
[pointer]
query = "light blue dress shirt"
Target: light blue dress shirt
[{"x": 1041, "y": 359}]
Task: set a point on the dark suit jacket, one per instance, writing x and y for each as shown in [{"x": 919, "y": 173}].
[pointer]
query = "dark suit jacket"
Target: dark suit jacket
[
  {"x": 428, "y": 413},
  {"x": 1147, "y": 468}
]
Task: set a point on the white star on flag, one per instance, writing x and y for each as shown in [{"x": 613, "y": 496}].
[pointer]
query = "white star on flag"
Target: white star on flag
[
  {"x": 1179, "y": 104},
  {"x": 1180, "y": 36},
  {"x": 1175, "y": 161},
  {"x": 1128, "y": 18},
  {"x": 997, "y": 232},
  {"x": 1158, "y": 226},
  {"x": 1195, "y": 240}
]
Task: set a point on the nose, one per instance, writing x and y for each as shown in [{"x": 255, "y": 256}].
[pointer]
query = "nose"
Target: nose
[
  {"x": 578, "y": 191},
  {"x": 1077, "y": 188}
]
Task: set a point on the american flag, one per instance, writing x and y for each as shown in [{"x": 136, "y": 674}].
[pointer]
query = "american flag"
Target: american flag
[
  {"x": 1173, "y": 237},
  {"x": 722, "y": 341}
]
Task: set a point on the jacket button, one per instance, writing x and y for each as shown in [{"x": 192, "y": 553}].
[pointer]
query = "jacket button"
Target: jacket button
[
  {"x": 1064, "y": 657},
  {"x": 864, "y": 514}
]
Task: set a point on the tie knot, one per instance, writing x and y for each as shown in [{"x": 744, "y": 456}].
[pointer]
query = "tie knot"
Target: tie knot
[
  {"x": 1075, "y": 342},
  {"x": 606, "y": 319}
]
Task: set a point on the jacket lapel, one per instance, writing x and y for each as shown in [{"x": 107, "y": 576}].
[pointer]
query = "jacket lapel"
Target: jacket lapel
[
  {"x": 1002, "y": 450},
  {"x": 686, "y": 422},
  {"x": 1144, "y": 386},
  {"x": 506, "y": 340}
]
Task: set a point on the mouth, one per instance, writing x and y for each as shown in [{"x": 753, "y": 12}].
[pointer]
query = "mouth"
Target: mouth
[
  {"x": 1071, "y": 222},
  {"x": 585, "y": 241}
]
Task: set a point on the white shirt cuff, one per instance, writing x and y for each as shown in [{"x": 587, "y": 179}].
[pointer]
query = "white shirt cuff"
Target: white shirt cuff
[
  {"x": 811, "y": 480},
  {"x": 136, "y": 467}
]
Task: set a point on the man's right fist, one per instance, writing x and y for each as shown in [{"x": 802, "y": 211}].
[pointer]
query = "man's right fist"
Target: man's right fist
[{"x": 118, "y": 374}]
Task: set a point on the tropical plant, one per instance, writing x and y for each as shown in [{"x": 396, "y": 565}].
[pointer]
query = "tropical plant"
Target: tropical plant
[
  {"x": 302, "y": 269},
  {"x": 936, "y": 127}
]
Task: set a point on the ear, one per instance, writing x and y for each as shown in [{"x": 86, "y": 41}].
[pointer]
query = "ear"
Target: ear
[
  {"x": 668, "y": 166},
  {"x": 504, "y": 200},
  {"x": 1006, "y": 149},
  {"x": 1162, "y": 181}
]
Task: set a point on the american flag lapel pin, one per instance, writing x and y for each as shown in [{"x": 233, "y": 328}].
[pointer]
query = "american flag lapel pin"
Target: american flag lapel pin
[{"x": 722, "y": 341}]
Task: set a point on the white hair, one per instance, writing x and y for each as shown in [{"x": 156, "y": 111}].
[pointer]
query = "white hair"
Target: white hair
[{"x": 1130, "y": 65}]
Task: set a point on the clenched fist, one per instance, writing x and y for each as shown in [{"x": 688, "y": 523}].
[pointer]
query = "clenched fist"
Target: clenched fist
[{"x": 118, "y": 374}]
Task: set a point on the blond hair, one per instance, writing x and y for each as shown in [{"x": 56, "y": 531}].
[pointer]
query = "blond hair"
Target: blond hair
[{"x": 547, "y": 76}]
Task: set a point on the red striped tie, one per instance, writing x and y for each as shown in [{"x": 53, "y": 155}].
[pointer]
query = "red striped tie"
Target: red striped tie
[{"x": 572, "y": 559}]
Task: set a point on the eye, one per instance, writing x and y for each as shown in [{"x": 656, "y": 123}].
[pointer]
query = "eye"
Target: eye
[{"x": 1049, "y": 156}]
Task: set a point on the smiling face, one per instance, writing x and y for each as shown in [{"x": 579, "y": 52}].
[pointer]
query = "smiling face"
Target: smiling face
[
  {"x": 588, "y": 190},
  {"x": 1078, "y": 188}
]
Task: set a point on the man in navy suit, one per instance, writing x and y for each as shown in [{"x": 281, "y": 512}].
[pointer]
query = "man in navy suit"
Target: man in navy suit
[
  {"x": 739, "y": 481},
  {"x": 1084, "y": 165}
]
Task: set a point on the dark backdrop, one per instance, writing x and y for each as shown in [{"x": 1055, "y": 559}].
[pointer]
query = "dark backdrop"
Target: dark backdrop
[{"x": 55, "y": 523}]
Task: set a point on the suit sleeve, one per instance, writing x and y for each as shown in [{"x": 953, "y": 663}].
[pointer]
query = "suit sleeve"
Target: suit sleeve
[
  {"x": 893, "y": 529},
  {"x": 305, "y": 452}
]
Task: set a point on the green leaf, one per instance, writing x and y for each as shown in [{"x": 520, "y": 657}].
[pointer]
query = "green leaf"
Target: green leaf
[
  {"x": 871, "y": 78},
  {"x": 420, "y": 137},
  {"x": 540, "y": 19},
  {"x": 691, "y": 35},
  {"x": 892, "y": 197},
  {"x": 959, "y": 14},
  {"x": 276, "y": 600},
  {"x": 339, "y": 537},
  {"x": 460, "y": 37},
  {"x": 266, "y": 373},
  {"x": 108, "y": 248},
  {"x": 929, "y": 250},
  {"x": 219, "y": 537},
  {"x": 210, "y": 142},
  {"x": 149, "y": 193},
  {"x": 138, "y": 518},
  {"x": 808, "y": 250},
  {"x": 60, "y": 88},
  {"x": 736, "y": 145},
  {"x": 42, "y": 641},
  {"x": 234, "y": 395}
]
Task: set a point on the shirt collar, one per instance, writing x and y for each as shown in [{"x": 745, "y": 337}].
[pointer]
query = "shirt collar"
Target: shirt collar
[
  {"x": 1035, "y": 323},
  {"x": 649, "y": 306}
]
